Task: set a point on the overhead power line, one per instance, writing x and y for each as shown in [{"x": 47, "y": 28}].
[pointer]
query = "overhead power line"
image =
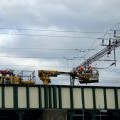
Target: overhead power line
[
  {"x": 51, "y": 30},
  {"x": 40, "y": 35},
  {"x": 37, "y": 48},
  {"x": 32, "y": 57},
  {"x": 69, "y": 49},
  {"x": 35, "y": 66},
  {"x": 44, "y": 57}
]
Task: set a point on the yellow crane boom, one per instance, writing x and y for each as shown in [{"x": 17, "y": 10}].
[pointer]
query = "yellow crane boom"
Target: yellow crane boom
[
  {"x": 86, "y": 77},
  {"x": 45, "y": 75}
]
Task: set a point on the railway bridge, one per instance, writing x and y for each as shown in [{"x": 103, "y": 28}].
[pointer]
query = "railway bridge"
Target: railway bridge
[{"x": 59, "y": 102}]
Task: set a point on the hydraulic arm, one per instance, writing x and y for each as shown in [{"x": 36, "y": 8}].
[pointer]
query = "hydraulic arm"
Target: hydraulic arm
[
  {"x": 46, "y": 74},
  {"x": 86, "y": 77},
  {"x": 100, "y": 54}
]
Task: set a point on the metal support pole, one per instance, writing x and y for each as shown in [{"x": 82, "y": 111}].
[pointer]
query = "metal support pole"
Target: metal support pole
[
  {"x": 93, "y": 115},
  {"x": 20, "y": 115},
  {"x": 83, "y": 114},
  {"x": 72, "y": 81},
  {"x": 70, "y": 115}
]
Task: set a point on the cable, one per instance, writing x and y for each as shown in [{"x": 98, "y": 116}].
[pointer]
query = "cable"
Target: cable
[
  {"x": 72, "y": 58},
  {"x": 38, "y": 35},
  {"x": 35, "y": 48},
  {"x": 69, "y": 49},
  {"x": 33, "y": 66},
  {"x": 51, "y": 30},
  {"x": 33, "y": 57}
]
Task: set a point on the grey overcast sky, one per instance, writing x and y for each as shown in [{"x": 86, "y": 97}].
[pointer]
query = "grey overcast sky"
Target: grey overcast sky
[{"x": 57, "y": 35}]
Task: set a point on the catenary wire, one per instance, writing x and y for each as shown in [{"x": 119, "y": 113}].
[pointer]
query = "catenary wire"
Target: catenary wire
[
  {"x": 53, "y": 30},
  {"x": 40, "y": 35}
]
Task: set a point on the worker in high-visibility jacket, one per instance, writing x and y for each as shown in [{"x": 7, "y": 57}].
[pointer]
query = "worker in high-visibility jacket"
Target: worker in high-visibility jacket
[
  {"x": 90, "y": 69},
  {"x": 81, "y": 73},
  {"x": 81, "y": 69}
]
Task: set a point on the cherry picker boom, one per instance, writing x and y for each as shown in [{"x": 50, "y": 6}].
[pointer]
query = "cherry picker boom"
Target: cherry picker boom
[
  {"x": 106, "y": 51},
  {"x": 84, "y": 72}
]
